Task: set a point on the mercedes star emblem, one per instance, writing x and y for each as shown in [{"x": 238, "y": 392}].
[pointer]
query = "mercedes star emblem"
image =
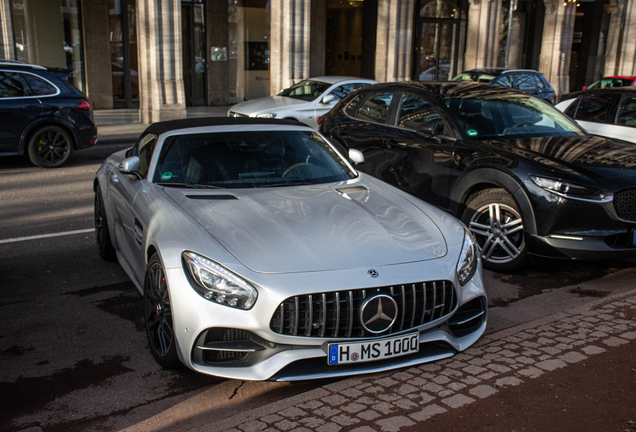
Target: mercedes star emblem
[
  {"x": 373, "y": 273},
  {"x": 378, "y": 313}
]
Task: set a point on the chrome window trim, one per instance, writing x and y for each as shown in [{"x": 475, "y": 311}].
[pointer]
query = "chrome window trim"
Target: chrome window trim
[{"x": 58, "y": 91}]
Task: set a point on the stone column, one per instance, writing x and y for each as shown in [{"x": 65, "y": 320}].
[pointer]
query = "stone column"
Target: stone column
[
  {"x": 161, "y": 88},
  {"x": 7, "y": 51},
  {"x": 393, "y": 55},
  {"x": 627, "y": 59},
  {"x": 289, "y": 45},
  {"x": 482, "y": 40},
  {"x": 613, "y": 36},
  {"x": 556, "y": 45},
  {"x": 99, "y": 80}
]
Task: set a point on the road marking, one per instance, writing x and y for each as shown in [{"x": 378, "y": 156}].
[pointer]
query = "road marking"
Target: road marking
[{"x": 36, "y": 237}]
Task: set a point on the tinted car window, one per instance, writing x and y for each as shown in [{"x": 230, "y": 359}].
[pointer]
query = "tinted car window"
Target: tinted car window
[
  {"x": 376, "y": 108},
  {"x": 39, "y": 87},
  {"x": 526, "y": 82},
  {"x": 415, "y": 111},
  {"x": 504, "y": 80},
  {"x": 341, "y": 91},
  {"x": 627, "y": 111},
  {"x": 12, "y": 85},
  {"x": 595, "y": 108},
  {"x": 305, "y": 90},
  {"x": 572, "y": 108},
  {"x": 351, "y": 109}
]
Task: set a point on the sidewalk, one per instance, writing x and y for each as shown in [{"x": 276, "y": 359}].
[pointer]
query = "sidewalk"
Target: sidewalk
[
  {"x": 508, "y": 360},
  {"x": 122, "y": 125}
]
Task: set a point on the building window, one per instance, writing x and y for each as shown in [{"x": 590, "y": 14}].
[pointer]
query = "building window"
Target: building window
[
  {"x": 248, "y": 51},
  {"x": 48, "y": 33}
]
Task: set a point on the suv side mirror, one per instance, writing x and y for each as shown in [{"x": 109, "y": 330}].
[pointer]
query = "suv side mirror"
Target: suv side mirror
[
  {"x": 328, "y": 99},
  {"x": 130, "y": 165}
]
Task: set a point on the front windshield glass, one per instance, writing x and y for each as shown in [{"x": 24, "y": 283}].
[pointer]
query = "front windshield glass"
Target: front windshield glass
[
  {"x": 249, "y": 159},
  {"x": 306, "y": 90},
  {"x": 475, "y": 76},
  {"x": 510, "y": 116}
]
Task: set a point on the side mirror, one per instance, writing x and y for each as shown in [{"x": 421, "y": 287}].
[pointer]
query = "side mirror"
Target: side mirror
[
  {"x": 130, "y": 166},
  {"x": 328, "y": 99},
  {"x": 356, "y": 157},
  {"x": 427, "y": 129}
]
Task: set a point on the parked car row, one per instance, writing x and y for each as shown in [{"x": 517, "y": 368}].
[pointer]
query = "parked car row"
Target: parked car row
[{"x": 42, "y": 116}]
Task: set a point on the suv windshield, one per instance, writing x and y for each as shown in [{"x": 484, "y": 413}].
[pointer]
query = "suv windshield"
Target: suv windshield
[
  {"x": 249, "y": 159},
  {"x": 475, "y": 76},
  {"x": 511, "y": 116},
  {"x": 306, "y": 90},
  {"x": 611, "y": 82}
]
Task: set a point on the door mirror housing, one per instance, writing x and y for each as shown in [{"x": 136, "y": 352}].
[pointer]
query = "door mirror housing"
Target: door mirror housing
[
  {"x": 427, "y": 129},
  {"x": 356, "y": 157},
  {"x": 130, "y": 165},
  {"x": 328, "y": 99}
]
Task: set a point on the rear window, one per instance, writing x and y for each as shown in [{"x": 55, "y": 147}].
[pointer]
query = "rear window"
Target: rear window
[
  {"x": 40, "y": 87},
  {"x": 595, "y": 108}
]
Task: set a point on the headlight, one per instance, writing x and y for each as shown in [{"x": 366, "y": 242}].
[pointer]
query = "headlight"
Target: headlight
[
  {"x": 570, "y": 190},
  {"x": 467, "y": 263},
  {"x": 271, "y": 115},
  {"x": 218, "y": 284}
]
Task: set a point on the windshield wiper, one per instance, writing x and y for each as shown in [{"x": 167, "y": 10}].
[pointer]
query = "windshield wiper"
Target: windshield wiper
[
  {"x": 280, "y": 184},
  {"x": 190, "y": 185}
]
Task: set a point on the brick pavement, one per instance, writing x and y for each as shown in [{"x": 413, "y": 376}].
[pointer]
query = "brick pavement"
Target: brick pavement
[{"x": 392, "y": 400}]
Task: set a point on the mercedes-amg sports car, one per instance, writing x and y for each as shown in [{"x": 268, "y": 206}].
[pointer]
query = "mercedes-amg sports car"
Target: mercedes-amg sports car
[{"x": 262, "y": 253}]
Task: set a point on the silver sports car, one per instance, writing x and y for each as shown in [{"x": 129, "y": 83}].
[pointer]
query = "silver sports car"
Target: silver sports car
[{"x": 262, "y": 253}]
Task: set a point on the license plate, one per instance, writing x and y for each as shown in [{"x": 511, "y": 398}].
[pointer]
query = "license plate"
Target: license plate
[{"x": 364, "y": 351}]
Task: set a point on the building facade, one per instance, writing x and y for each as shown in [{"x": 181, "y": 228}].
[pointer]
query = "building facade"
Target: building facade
[{"x": 163, "y": 55}]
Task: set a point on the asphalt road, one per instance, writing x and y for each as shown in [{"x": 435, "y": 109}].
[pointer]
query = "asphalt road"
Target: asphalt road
[{"x": 73, "y": 352}]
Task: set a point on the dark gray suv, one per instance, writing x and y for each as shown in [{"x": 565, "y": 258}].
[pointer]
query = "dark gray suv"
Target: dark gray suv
[{"x": 530, "y": 81}]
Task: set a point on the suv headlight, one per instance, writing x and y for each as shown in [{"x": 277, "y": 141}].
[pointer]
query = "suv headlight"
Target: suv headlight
[
  {"x": 218, "y": 284},
  {"x": 570, "y": 190},
  {"x": 270, "y": 115},
  {"x": 467, "y": 263}
]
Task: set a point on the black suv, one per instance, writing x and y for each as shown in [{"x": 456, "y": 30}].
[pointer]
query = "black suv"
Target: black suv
[
  {"x": 521, "y": 175},
  {"x": 530, "y": 81},
  {"x": 41, "y": 115}
]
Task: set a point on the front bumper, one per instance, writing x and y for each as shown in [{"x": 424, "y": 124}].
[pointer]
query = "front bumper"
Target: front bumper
[{"x": 238, "y": 344}]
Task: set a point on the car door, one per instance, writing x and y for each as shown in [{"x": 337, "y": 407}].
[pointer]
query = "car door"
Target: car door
[
  {"x": 370, "y": 112},
  {"x": 596, "y": 112},
  {"x": 625, "y": 122},
  {"x": 337, "y": 93},
  {"x": 416, "y": 160},
  {"x": 124, "y": 188},
  {"x": 18, "y": 109}
]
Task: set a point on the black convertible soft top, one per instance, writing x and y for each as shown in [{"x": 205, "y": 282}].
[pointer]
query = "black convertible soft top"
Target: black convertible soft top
[{"x": 170, "y": 125}]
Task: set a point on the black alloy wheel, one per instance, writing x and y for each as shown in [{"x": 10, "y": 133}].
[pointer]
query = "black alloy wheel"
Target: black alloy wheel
[
  {"x": 158, "y": 316},
  {"x": 102, "y": 234},
  {"x": 50, "y": 147},
  {"x": 493, "y": 217}
]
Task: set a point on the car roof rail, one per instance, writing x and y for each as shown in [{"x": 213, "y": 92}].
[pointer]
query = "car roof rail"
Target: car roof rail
[
  {"x": 519, "y": 70},
  {"x": 9, "y": 62}
]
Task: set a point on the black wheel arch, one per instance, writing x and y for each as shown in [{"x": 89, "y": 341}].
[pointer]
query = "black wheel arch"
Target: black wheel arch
[
  {"x": 485, "y": 178},
  {"x": 28, "y": 132}
]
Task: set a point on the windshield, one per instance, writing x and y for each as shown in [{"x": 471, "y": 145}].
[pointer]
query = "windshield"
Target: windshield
[
  {"x": 306, "y": 90},
  {"x": 249, "y": 159},
  {"x": 475, "y": 76},
  {"x": 610, "y": 82},
  {"x": 510, "y": 116}
]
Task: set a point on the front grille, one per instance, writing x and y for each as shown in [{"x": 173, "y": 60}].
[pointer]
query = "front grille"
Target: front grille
[
  {"x": 235, "y": 114},
  {"x": 625, "y": 204},
  {"x": 337, "y": 314}
]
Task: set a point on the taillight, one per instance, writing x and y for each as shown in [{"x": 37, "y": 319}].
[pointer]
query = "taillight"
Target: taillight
[{"x": 84, "y": 106}]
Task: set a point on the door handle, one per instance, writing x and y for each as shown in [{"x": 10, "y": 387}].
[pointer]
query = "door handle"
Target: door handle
[{"x": 393, "y": 143}]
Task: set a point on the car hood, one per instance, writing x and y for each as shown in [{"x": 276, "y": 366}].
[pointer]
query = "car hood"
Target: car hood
[
  {"x": 267, "y": 104},
  {"x": 314, "y": 228},
  {"x": 607, "y": 160}
]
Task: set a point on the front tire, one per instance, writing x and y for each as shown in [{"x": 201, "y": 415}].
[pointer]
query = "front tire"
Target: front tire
[
  {"x": 50, "y": 147},
  {"x": 493, "y": 217},
  {"x": 158, "y": 316}
]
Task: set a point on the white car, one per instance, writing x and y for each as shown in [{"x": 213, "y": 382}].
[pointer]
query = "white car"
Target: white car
[
  {"x": 262, "y": 253},
  {"x": 305, "y": 101},
  {"x": 609, "y": 112}
]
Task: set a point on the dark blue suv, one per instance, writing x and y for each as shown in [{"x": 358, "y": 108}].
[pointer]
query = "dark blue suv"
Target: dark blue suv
[{"x": 42, "y": 116}]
